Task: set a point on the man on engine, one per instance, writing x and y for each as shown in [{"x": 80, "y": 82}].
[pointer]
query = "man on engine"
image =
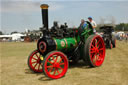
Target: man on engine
[
  {"x": 93, "y": 23},
  {"x": 82, "y": 25}
]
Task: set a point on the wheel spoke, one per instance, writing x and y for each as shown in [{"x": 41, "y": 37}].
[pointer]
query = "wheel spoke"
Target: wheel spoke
[
  {"x": 101, "y": 49},
  {"x": 39, "y": 67},
  {"x": 37, "y": 56},
  {"x": 53, "y": 59},
  {"x": 58, "y": 71},
  {"x": 34, "y": 58},
  {"x": 35, "y": 65},
  {"x": 93, "y": 47},
  {"x": 56, "y": 58},
  {"x": 50, "y": 62},
  {"x": 92, "y": 51},
  {"x": 98, "y": 46},
  {"x": 61, "y": 64},
  {"x": 60, "y": 68},
  {"x": 98, "y": 42},
  {"x": 50, "y": 70},
  {"x": 54, "y": 71},
  {"x": 60, "y": 60},
  {"x": 50, "y": 66},
  {"x": 34, "y": 62}
]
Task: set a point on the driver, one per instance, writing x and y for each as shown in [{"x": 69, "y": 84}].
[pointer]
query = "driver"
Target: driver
[
  {"x": 82, "y": 24},
  {"x": 93, "y": 23},
  {"x": 81, "y": 28}
]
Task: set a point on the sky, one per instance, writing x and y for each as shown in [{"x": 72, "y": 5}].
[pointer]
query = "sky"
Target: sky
[{"x": 18, "y": 15}]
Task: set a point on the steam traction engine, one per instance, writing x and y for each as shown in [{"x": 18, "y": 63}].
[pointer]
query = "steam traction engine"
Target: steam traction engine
[
  {"x": 58, "y": 46},
  {"x": 108, "y": 37}
]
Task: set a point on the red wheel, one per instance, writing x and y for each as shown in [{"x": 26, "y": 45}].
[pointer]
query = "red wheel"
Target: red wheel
[
  {"x": 34, "y": 61},
  {"x": 94, "y": 50},
  {"x": 55, "y": 64}
]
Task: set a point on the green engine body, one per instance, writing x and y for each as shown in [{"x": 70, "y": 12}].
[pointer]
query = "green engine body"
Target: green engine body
[{"x": 66, "y": 44}]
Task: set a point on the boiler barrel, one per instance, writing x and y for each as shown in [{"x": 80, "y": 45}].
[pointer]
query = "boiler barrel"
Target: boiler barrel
[{"x": 65, "y": 44}]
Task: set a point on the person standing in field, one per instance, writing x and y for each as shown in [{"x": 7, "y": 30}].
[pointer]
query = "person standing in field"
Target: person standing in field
[{"x": 93, "y": 23}]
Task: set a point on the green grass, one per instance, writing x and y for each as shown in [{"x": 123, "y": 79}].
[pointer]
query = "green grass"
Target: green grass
[{"x": 14, "y": 69}]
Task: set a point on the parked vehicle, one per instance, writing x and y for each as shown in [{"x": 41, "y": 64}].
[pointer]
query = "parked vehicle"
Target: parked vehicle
[{"x": 108, "y": 37}]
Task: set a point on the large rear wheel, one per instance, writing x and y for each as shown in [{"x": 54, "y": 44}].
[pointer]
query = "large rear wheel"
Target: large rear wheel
[
  {"x": 34, "y": 61},
  {"x": 55, "y": 64},
  {"x": 94, "y": 50}
]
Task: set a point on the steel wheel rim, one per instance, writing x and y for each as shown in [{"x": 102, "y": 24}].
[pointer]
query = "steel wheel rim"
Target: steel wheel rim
[
  {"x": 35, "y": 62},
  {"x": 97, "y": 51},
  {"x": 56, "y": 68}
]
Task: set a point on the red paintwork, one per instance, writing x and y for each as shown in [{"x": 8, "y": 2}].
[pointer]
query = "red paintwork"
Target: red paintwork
[
  {"x": 34, "y": 62},
  {"x": 56, "y": 65},
  {"x": 97, "y": 51}
]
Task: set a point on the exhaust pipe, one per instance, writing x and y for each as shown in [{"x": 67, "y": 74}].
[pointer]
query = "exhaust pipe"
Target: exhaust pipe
[{"x": 44, "y": 8}]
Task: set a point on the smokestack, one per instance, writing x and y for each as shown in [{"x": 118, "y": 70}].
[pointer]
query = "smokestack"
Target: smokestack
[{"x": 44, "y": 8}]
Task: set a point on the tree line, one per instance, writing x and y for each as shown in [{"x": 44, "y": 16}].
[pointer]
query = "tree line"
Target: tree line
[{"x": 122, "y": 27}]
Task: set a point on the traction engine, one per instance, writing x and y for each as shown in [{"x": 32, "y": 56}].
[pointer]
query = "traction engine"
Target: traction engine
[{"x": 59, "y": 46}]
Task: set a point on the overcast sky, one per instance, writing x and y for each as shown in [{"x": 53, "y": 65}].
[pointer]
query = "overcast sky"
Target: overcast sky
[{"x": 18, "y": 15}]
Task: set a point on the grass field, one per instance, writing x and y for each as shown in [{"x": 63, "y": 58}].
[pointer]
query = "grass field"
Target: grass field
[{"x": 14, "y": 69}]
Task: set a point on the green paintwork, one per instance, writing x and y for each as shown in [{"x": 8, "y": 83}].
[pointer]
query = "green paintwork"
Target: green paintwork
[
  {"x": 65, "y": 44},
  {"x": 70, "y": 43}
]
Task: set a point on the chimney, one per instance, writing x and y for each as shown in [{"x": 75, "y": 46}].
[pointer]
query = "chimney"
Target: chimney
[{"x": 44, "y": 8}]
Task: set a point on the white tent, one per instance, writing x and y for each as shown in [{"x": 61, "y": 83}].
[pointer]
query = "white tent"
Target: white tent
[
  {"x": 13, "y": 37},
  {"x": 17, "y": 36}
]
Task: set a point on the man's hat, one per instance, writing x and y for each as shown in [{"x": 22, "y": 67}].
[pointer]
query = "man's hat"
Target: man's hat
[{"x": 89, "y": 17}]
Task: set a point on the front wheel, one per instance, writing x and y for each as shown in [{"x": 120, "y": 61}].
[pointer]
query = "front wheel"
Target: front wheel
[
  {"x": 94, "y": 50},
  {"x": 55, "y": 64},
  {"x": 34, "y": 62}
]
